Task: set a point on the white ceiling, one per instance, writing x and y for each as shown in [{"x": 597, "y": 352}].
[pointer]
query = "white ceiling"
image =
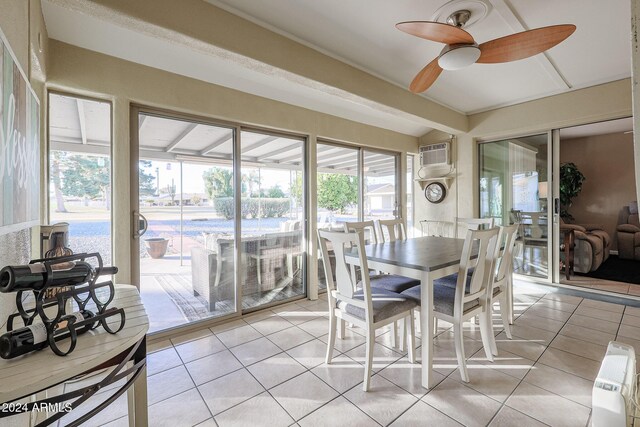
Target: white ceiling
[
  {"x": 362, "y": 33},
  {"x": 602, "y": 128},
  {"x": 89, "y": 32}
]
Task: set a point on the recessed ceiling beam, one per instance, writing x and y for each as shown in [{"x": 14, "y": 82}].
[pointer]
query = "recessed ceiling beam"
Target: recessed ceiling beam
[
  {"x": 218, "y": 142},
  {"x": 190, "y": 128},
  {"x": 82, "y": 120},
  {"x": 513, "y": 20}
]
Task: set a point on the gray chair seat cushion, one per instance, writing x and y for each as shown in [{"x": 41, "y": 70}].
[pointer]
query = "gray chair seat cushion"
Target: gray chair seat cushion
[
  {"x": 392, "y": 282},
  {"x": 452, "y": 280},
  {"x": 385, "y": 305},
  {"x": 443, "y": 298}
]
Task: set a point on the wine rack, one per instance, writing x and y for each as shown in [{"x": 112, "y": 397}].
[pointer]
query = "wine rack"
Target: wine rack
[{"x": 49, "y": 310}]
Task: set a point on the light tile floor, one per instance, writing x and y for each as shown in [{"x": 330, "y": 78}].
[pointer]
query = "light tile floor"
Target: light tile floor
[{"x": 268, "y": 370}]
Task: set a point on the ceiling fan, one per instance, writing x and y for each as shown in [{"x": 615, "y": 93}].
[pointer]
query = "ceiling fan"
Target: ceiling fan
[{"x": 461, "y": 49}]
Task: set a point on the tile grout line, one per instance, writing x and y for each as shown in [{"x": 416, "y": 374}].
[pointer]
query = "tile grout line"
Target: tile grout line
[{"x": 536, "y": 361}]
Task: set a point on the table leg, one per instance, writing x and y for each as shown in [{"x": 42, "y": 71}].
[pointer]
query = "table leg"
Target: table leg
[
  {"x": 426, "y": 329},
  {"x": 137, "y": 399}
]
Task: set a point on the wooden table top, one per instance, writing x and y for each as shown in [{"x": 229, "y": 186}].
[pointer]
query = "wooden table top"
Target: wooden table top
[
  {"x": 421, "y": 253},
  {"x": 30, "y": 373}
]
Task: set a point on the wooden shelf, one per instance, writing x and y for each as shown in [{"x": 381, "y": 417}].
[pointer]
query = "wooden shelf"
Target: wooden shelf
[{"x": 446, "y": 180}]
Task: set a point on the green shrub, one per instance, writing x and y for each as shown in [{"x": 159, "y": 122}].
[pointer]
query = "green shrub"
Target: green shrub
[
  {"x": 275, "y": 208},
  {"x": 252, "y": 207},
  {"x": 224, "y": 206}
]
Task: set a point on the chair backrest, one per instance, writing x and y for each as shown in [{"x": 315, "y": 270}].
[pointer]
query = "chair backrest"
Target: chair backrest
[
  {"x": 485, "y": 242},
  {"x": 343, "y": 287},
  {"x": 368, "y": 228},
  {"x": 436, "y": 228},
  {"x": 464, "y": 224},
  {"x": 504, "y": 253},
  {"x": 394, "y": 229}
]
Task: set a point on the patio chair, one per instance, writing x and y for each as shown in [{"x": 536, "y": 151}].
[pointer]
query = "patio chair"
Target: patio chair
[
  {"x": 462, "y": 296},
  {"x": 367, "y": 307},
  {"x": 269, "y": 254},
  {"x": 212, "y": 272}
]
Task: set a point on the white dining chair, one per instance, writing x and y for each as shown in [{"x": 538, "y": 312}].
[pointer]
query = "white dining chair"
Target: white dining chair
[
  {"x": 391, "y": 230},
  {"x": 436, "y": 228},
  {"x": 463, "y": 224},
  {"x": 461, "y": 296},
  {"x": 386, "y": 282},
  {"x": 367, "y": 307},
  {"x": 502, "y": 281}
]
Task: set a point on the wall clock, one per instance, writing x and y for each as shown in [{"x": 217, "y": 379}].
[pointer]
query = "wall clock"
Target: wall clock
[{"x": 435, "y": 192}]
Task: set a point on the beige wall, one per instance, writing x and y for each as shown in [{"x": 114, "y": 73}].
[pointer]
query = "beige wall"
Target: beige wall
[
  {"x": 607, "y": 163},
  {"x": 21, "y": 21},
  {"x": 85, "y": 72}
]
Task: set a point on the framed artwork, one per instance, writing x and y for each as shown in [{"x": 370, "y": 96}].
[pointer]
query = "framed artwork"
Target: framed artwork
[{"x": 19, "y": 146}]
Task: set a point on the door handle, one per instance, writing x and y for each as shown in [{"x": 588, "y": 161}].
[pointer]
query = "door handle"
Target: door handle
[
  {"x": 140, "y": 224},
  {"x": 556, "y": 206}
]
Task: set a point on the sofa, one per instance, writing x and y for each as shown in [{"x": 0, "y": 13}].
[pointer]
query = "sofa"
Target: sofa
[
  {"x": 592, "y": 246},
  {"x": 629, "y": 233}
]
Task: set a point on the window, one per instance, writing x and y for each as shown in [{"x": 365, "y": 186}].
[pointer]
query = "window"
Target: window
[{"x": 80, "y": 171}]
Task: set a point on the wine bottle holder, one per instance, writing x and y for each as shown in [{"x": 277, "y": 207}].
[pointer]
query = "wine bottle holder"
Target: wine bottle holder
[{"x": 88, "y": 296}]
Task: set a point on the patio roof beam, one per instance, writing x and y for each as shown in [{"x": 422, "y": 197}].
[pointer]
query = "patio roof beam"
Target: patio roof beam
[
  {"x": 215, "y": 144},
  {"x": 280, "y": 151},
  {"x": 259, "y": 143},
  {"x": 141, "y": 119},
  {"x": 339, "y": 160},
  {"x": 190, "y": 128},
  {"x": 380, "y": 162},
  {"x": 324, "y": 158},
  {"x": 82, "y": 120},
  {"x": 79, "y": 148},
  {"x": 381, "y": 172},
  {"x": 77, "y": 141},
  {"x": 321, "y": 149}
]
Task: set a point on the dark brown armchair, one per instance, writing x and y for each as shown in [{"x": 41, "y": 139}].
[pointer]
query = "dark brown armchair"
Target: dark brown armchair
[
  {"x": 592, "y": 246},
  {"x": 629, "y": 233}
]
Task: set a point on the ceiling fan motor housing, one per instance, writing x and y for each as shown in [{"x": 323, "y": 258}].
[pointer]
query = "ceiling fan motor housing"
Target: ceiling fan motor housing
[{"x": 458, "y": 56}]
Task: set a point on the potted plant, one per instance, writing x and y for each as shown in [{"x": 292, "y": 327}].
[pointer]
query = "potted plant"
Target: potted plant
[
  {"x": 571, "y": 180},
  {"x": 156, "y": 246}
]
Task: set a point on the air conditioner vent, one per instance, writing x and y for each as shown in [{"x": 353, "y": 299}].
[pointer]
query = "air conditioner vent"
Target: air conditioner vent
[{"x": 435, "y": 154}]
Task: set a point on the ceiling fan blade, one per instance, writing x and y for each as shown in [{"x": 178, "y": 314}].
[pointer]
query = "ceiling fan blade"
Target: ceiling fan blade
[
  {"x": 523, "y": 45},
  {"x": 425, "y": 78},
  {"x": 436, "y": 31}
]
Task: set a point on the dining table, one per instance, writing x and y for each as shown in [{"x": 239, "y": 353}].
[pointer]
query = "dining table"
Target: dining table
[{"x": 425, "y": 259}]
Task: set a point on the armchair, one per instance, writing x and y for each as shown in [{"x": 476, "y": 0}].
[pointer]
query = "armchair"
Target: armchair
[
  {"x": 629, "y": 233},
  {"x": 212, "y": 273},
  {"x": 592, "y": 246}
]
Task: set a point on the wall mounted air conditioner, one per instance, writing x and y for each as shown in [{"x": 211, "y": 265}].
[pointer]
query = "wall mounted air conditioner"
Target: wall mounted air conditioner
[
  {"x": 614, "y": 391},
  {"x": 435, "y": 154}
]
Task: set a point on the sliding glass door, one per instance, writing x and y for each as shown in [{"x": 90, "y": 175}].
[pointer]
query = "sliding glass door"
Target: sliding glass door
[
  {"x": 355, "y": 184},
  {"x": 186, "y": 206},
  {"x": 514, "y": 187},
  {"x": 219, "y": 218},
  {"x": 272, "y": 214}
]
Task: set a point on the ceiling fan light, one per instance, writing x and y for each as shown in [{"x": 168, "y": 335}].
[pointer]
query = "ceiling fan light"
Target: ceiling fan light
[{"x": 455, "y": 57}]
